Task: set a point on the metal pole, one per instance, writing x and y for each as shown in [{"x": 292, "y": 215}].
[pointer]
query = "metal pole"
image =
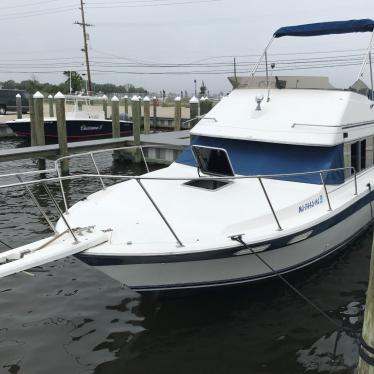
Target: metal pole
[
  {"x": 262, "y": 56},
  {"x": 60, "y": 212},
  {"x": 371, "y": 76},
  {"x": 35, "y": 201},
  {"x": 325, "y": 188},
  {"x": 355, "y": 178},
  {"x": 160, "y": 213},
  {"x": 267, "y": 71},
  {"x": 366, "y": 56},
  {"x": 97, "y": 171},
  {"x": 145, "y": 161},
  {"x": 270, "y": 205}
]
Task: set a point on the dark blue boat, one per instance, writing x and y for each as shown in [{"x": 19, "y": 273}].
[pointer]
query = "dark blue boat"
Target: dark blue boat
[{"x": 77, "y": 129}]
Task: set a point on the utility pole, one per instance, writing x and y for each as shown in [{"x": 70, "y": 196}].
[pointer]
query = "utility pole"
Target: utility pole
[{"x": 85, "y": 49}]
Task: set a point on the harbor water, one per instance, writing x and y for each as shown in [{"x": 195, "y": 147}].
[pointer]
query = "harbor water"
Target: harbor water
[{"x": 69, "y": 318}]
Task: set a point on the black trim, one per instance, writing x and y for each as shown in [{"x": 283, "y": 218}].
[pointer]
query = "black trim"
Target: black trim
[
  {"x": 109, "y": 260},
  {"x": 366, "y": 345},
  {"x": 363, "y": 355}
]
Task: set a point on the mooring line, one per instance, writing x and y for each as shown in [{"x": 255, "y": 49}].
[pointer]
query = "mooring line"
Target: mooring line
[{"x": 239, "y": 239}]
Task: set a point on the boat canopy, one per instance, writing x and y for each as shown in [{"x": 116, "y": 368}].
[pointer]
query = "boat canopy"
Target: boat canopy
[
  {"x": 259, "y": 158},
  {"x": 326, "y": 28}
]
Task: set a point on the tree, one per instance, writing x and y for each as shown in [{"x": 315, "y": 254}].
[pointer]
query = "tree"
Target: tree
[{"x": 76, "y": 80}]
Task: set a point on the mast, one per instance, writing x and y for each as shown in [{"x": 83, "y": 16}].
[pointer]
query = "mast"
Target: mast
[{"x": 85, "y": 49}]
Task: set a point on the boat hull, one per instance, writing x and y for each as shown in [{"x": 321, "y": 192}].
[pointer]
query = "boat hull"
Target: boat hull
[
  {"x": 162, "y": 273},
  {"x": 76, "y": 129}
]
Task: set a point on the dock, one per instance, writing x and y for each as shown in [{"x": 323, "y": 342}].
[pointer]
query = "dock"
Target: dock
[{"x": 167, "y": 147}]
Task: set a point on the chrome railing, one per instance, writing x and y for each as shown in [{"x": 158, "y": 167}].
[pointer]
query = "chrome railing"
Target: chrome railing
[{"x": 139, "y": 180}]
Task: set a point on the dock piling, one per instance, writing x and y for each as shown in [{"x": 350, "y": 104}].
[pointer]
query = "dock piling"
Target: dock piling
[
  {"x": 19, "y": 106},
  {"x": 136, "y": 114},
  {"x": 105, "y": 106},
  {"x": 116, "y": 131},
  {"x": 32, "y": 121},
  {"x": 147, "y": 115},
  {"x": 39, "y": 118},
  {"x": 50, "y": 103},
  {"x": 177, "y": 113},
  {"x": 61, "y": 131},
  {"x": 39, "y": 124},
  {"x": 154, "y": 112},
  {"x": 366, "y": 350},
  {"x": 194, "y": 110},
  {"x": 126, "y": 103}
]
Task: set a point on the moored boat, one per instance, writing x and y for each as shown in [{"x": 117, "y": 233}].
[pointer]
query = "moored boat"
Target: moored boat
[
  {"x": 87, "y": 124},
  {"x": 279, "y": 173}
]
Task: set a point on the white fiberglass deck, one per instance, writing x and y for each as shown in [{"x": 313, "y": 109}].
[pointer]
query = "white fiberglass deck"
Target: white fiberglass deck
[{"x": 203, "y": 219}]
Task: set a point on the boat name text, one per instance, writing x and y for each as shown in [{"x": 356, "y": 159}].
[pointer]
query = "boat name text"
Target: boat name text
[{"x": 88, "y": 128}]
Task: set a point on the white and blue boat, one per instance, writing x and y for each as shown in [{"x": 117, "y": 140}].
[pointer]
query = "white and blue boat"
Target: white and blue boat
[{"x": 280, "y": 172}]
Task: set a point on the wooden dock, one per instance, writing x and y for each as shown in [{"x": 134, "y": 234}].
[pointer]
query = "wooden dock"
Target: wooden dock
[{"x": 172, "y": 143}]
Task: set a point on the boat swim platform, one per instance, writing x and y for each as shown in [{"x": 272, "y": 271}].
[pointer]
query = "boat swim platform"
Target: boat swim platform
[{"x": 172, "y": 142}]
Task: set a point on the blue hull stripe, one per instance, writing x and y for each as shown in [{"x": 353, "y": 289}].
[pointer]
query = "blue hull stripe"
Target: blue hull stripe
[{"x": 257, "y": 278}]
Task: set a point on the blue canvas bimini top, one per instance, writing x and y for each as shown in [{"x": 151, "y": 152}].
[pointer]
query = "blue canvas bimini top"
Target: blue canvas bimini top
[{"x": 327, "y": 28}]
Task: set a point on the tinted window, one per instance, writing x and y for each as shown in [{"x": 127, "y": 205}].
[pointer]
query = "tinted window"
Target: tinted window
[{"x": 213, "y": 161}]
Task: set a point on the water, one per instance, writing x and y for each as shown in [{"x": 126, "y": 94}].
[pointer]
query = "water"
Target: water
[{"x": 70, "y": 318}]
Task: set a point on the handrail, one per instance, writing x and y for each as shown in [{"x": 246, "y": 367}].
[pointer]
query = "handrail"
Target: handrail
[
  {"x": 189, "y": 178},
  {"x": 60, "y": 179}
]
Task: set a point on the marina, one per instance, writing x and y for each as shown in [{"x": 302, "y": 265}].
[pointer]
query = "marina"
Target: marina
[{"x": 178, "y": 206}]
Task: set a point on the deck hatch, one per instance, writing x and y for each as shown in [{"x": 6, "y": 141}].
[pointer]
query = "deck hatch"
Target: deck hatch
[
  {"x": 207, "y": 184},
  {"x": 213, "y": 161}
]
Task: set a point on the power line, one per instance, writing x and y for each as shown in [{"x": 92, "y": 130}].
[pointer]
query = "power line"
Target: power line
[{"x": 109, "y": 6}]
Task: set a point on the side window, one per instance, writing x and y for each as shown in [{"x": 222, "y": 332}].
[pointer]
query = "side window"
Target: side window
[
  {"x": 355, "y": 158},
  {"x": 347, "y": 159},
  {"x": 363, "y": 154},
  {"x": 369, "y": 151}
]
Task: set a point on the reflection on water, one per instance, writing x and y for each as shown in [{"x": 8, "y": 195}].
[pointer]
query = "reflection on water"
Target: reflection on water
[{"x": 69, "y": 318}]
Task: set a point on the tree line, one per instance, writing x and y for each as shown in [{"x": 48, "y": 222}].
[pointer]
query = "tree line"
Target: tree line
[{"x": 74, "y": 81}]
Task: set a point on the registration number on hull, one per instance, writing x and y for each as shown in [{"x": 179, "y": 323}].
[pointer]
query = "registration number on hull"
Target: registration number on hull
[{"x": 311, "y": 204}]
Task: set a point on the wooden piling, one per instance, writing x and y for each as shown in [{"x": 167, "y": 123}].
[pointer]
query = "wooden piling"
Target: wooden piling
[
  {"x": 32, "y": 121},
  {"x": 126, "y": 103},
  {"x": 203, "y": 106},
  {"x": 19, "y": 106},
  {"x": 116, "y": 131},
  {"x": 177, "y": 113},
  {"x": 61, "y": 131},
  {"x": 147, "y": 115},
  {"x": 155, "y": 102},
  {"x": 194, "y": 110},
  {"x": 208, "y": 104},
  {"x": 135, "y": 109},
  {"x": 367, "y": 349},
  {"x": 50, "y": 103},
  {"x": 39, "y": 118},
  {"x": 105, "y": 106}
]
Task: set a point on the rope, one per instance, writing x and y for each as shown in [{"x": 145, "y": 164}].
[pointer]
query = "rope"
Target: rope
[{"x": 238, "y": 238}]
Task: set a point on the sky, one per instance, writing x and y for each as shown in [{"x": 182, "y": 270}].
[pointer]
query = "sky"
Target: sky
[{"x": 168, "y": 44}]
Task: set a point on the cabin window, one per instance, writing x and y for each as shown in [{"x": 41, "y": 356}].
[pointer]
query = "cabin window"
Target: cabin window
[
  {"x": 213, "y": 161},
  {"x": 369, "y": 151},
  {"x": 358, "y": 155},
  {"x": 355, "y": 159}
]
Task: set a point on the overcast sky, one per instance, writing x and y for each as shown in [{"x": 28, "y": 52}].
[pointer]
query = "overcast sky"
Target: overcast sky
[{"x": 39, "y": 38}]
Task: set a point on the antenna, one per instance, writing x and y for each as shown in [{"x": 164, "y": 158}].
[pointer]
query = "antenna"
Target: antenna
[{"x": 85, "y": 49}]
